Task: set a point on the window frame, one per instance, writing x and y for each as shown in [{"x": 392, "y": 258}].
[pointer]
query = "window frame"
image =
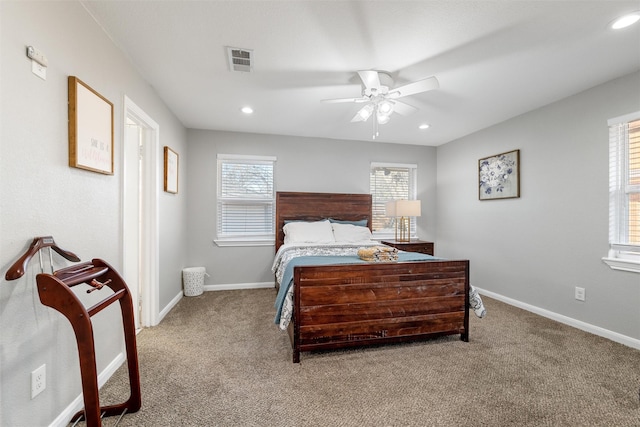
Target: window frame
[
  {"x": 622, "y": 255},
  {"x": 412, "y": 194},
  {"x": 244, "y": 239}
]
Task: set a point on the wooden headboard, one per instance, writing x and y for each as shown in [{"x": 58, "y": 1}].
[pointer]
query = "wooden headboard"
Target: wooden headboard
[{"x": 318, "y": 206}]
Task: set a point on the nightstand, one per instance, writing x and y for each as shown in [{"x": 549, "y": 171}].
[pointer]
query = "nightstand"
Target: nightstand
[{"x": 412, "y": 246}]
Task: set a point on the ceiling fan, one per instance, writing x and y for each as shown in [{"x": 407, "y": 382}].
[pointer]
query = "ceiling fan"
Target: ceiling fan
[{"x": 382, "y": 100}]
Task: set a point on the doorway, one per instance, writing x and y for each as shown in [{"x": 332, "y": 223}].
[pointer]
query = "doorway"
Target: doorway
[{"x": 140, "y": 212}]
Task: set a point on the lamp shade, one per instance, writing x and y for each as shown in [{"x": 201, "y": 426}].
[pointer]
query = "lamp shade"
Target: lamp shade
[
  {"x": 407, "y": 208},
  {"x": 390, "y": 208},
  {"x": 395, "y": 208}
]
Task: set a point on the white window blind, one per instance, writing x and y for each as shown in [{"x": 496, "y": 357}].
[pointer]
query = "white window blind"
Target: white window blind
[
  {"x": 246, "y": 197},
  {"x": 624, "y": 187},
  {"x": 391, "y": 181}
]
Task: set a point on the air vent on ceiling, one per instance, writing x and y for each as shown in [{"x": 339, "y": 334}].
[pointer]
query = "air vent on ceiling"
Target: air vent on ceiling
[{"x": 240, "y": 59}]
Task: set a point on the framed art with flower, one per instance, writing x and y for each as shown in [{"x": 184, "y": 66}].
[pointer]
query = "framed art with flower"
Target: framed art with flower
[{"x": 499, "y": 176}]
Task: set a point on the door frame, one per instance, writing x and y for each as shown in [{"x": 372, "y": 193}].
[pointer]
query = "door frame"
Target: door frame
[{"x": 147, "y": 249}]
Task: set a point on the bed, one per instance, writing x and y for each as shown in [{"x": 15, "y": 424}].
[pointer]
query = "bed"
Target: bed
[{"x": 352, "y": 303}]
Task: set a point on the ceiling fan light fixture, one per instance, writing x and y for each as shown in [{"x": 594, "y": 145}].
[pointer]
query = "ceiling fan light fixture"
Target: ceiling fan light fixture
[
  {"x": 385, "y": 107},
  {"x": 365, "y": 112},
  {"x": 382, "y": 118}
]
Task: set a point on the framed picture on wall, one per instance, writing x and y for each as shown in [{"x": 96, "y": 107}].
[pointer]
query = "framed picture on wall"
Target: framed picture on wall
[
  {"x": 90, "y": 129},
  {"x": 170, "y": 170},
  {"x": 499, "y": 176}
]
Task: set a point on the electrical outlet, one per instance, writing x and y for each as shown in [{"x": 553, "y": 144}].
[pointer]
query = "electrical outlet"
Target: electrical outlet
[
  {"x": 580, "y": 294},
  {"x": 38, "y": 381}
]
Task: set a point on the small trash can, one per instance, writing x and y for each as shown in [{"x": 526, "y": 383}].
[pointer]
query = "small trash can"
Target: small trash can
[{"x": 193, "y": 279}]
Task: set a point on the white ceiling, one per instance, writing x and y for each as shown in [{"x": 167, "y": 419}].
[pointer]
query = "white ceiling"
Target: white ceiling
[{"x": 494, "y": 59}]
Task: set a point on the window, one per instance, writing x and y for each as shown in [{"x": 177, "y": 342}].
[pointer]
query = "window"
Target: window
[
  {"x": 624, "y": 193},
  {"x": 391, "y": 181},
  {"x": 246, "y": 200}
]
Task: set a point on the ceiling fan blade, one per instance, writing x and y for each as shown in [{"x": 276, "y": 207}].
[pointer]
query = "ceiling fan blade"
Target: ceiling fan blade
[
  {"x": 370, "y": 79},
  {"x": 338, "y": 100},
  {"x": 420, "y": 86},
  {"x": 403, "y": 109}
]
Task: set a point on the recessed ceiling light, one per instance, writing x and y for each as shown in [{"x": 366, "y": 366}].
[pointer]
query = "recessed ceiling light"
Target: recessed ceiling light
[
  {"x": 626, "y": 20},
  {"x": 423, "y": 126},
  {"x": 247, "y": 110}
]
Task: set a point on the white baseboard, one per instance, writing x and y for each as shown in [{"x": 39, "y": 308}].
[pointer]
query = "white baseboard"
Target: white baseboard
[
  {"x": 170, "y": 306},
  {"x": 587, "y": 327},
  {"x": 238, "y": 286},
  {"x": 206, "y": 288},
  {"x": 62, "y": 420}
]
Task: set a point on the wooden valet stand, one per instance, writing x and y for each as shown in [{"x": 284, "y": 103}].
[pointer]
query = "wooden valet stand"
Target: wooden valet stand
[{"x": 55, "y": 291}]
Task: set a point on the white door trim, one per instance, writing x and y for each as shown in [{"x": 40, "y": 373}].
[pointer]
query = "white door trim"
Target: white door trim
[{"x": 148, "y": 244}]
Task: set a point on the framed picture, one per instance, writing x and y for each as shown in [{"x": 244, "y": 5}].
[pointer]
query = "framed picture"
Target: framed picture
[
  {"x": 90, "y": 129},
  {"x": 499, "y": 176},
  {"x": 170, "y": 170}
]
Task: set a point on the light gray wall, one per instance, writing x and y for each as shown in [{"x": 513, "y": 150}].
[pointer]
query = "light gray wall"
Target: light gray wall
[
  {"x": 304, "y": 164},
  {"x": 538, "y": 248},
  {"x": 41, "y": 195},
  {"x": 534, "y": 249}
]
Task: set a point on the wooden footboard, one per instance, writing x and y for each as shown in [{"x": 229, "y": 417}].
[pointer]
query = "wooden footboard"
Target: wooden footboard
[{"x": 363, "y": 304}]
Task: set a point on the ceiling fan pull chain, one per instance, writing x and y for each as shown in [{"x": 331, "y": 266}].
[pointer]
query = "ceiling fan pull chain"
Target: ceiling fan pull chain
[{"x": 375, "y": 123}]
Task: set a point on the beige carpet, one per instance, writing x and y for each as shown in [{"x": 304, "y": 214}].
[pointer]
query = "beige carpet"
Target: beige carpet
[{"x": 218, "y": 360}]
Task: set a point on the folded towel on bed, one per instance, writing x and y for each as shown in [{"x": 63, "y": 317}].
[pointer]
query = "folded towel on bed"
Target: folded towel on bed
[{"x": 378, "y": 254}]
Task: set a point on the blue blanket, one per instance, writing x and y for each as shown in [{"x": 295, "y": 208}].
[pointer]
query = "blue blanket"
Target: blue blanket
[{"x": 287, "y": 278}]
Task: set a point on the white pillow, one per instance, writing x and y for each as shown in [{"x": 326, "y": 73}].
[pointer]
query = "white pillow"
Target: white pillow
[
  {"x": 308, "y": 232},
  {"x": 349, "y": 233}
]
